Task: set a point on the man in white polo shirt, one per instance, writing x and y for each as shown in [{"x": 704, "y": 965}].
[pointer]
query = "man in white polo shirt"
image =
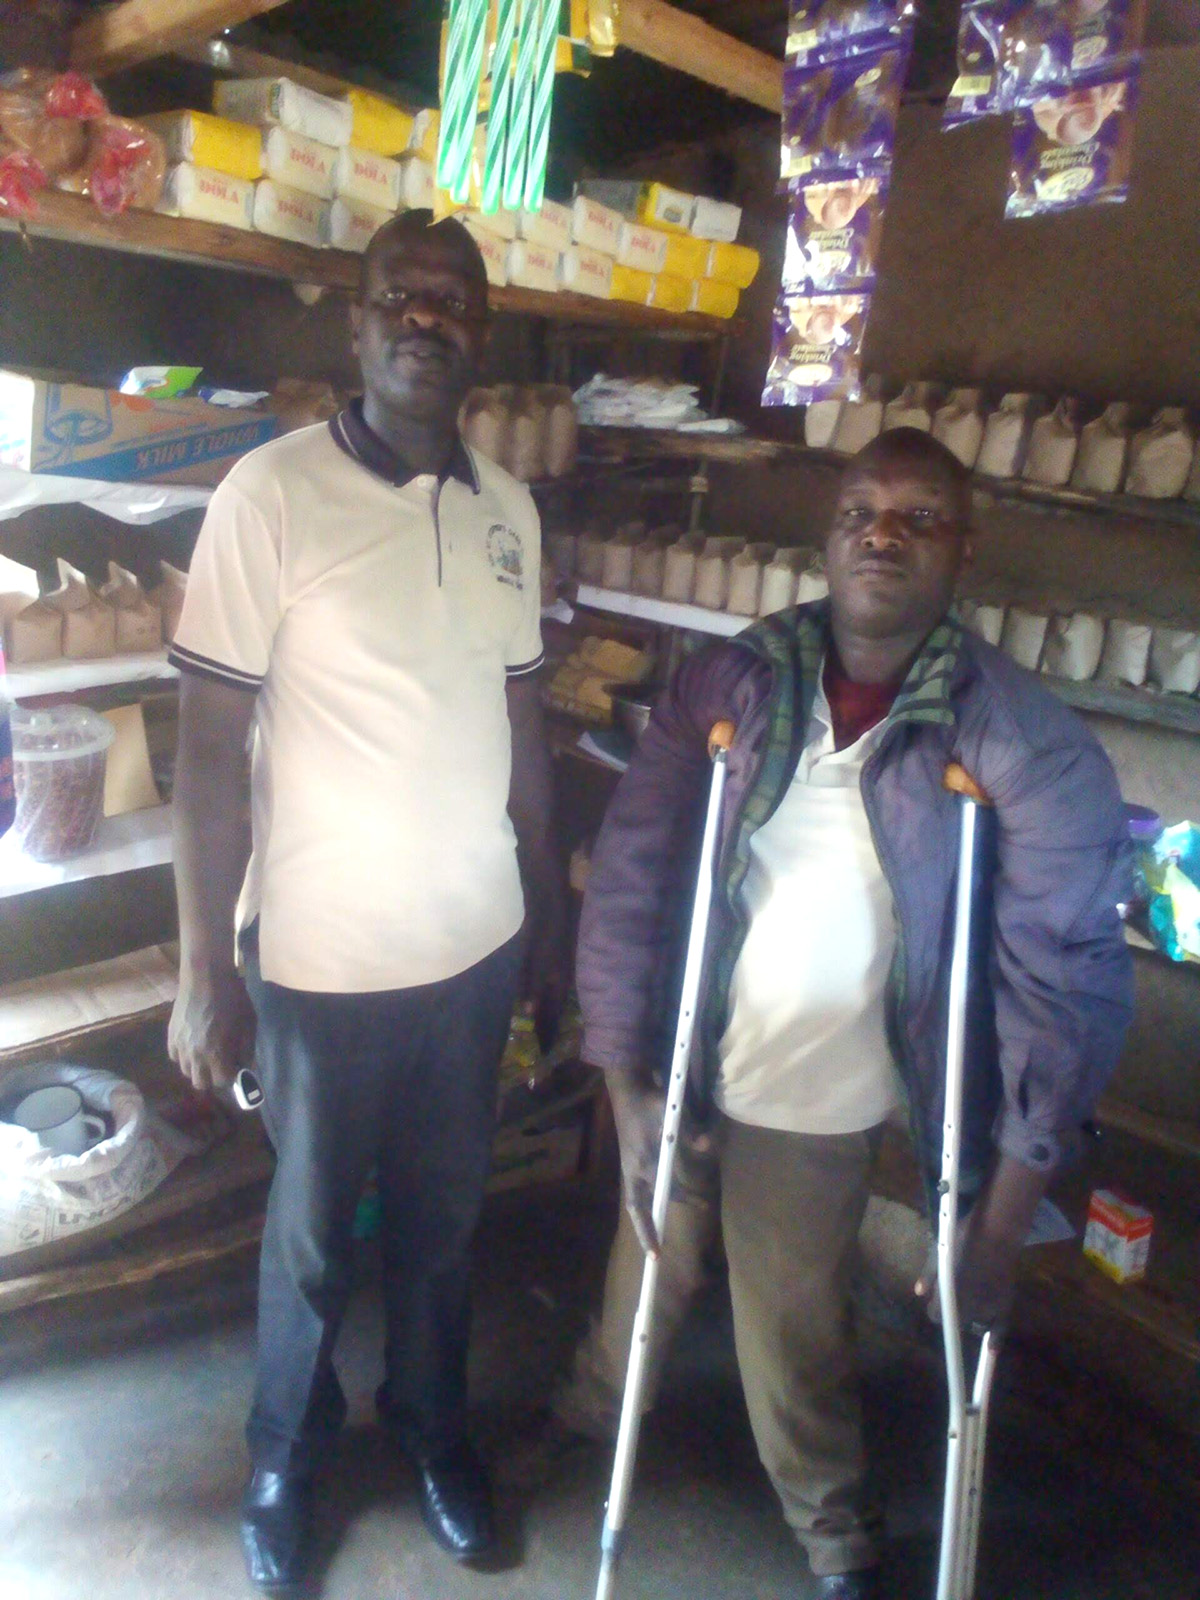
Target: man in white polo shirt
[{"x": 364, "y": 602}]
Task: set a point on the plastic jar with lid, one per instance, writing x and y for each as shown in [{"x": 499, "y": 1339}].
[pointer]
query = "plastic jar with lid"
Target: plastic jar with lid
[{"x": 58, "y": 764}]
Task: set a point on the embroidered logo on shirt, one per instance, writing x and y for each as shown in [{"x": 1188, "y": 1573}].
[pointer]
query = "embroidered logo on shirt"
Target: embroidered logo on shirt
[{"x": 504, "y": 553}]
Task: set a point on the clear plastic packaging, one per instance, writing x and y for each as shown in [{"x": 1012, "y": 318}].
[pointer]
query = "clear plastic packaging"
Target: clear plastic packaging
[
  {"x": 58, "y": 764},
  {"x": 1073, "y": 147},
  {"x": 839, "y": 117},
  {"x": 826, "y": 26},
  {"x": 833, "y": 236},
  {"x": 814, "y": 348}
]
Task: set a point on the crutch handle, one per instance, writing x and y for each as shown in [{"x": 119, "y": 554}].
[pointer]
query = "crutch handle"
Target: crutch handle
[
  {"x": 958, "y": 780},
  {"x": 721, "y": 737}
]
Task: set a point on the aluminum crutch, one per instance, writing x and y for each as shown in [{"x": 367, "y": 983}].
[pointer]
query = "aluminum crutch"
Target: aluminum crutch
[
  {"x": 967, "y": 1427},
  {"x": 719, "y": 741}
]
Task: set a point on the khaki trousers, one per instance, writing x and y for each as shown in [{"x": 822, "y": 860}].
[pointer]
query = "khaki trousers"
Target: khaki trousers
[{"x": 791, "y": 1206}]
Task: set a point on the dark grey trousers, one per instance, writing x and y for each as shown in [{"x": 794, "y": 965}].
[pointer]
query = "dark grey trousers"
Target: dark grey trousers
[{"x": 403, "y": 1081}]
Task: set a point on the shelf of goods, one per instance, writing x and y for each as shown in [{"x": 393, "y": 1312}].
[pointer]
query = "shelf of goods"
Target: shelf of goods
[
  {"x": 615, "y": 444},
  {"x": 69, "y": 677},
  {"x": 1181, "y": 713},
  {"x": 74, "y": 220},
  {"x": 122, "y": 844}
]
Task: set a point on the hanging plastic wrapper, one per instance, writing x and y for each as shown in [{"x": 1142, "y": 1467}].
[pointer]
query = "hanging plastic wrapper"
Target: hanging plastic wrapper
[
  {"x": 833, "y": 236},
  {"x": 826, "y": 28},
  {"x": 1046, "y": 45},
  {"x": 1169, "y": 869},
  {"x": 977, "y": 91},
  {"x": 815, "y": 344},
  {"x": 839, "y": 116},
  {"x": 1073, "y": 148}
]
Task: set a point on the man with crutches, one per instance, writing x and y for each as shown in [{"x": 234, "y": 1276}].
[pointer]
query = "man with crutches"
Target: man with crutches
[{"x": 823, "y": 997}]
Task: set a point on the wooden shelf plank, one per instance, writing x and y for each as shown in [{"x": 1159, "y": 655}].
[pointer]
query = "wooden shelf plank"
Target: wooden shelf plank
[
  {"x": 71, "y": 219},
  {"x": 118, "y": 36},
  {"x": 122, "y": 844},
  {"x": 47, "y": 1016},
  {"x": 746, "y": 450},
  {"x": 67, "y": 677},
  {"x": 669, "y": 613},
  {"x": 1165, "y": 1133}
]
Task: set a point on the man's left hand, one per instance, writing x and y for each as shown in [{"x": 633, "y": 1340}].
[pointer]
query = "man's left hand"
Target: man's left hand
[{"x": 548, "y": 974}]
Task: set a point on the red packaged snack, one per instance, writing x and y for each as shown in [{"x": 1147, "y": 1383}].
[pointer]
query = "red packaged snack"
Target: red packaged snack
[
  {"x": 72, "y": 95},
  {"x": 20, "y": 179},
  {"x": 57, "y": 143},
  {"x": 127, "y": 166}
]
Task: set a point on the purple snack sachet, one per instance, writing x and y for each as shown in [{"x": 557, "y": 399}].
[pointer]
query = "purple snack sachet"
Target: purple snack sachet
[
  {"x": 839, "y": 117},
  {"x": 978, "y": 90},
  {"x": 1074, "y": 147},
  {"x": 841, "y": 27},
  {"x": 815, "y": 342},
  {"x": 833, "y": 236},
  {"x": 1051, "y": 44}
]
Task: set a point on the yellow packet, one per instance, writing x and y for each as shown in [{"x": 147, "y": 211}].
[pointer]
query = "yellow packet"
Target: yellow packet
[
  {"x": 379, "y": 126},
  {"x": 714, "y": 298},
  {"x": 670, "y": 293},
  {"x": 630, "y": 283},
  {"x": 733, "y": 263},
  {"x": 687, "y": 257}
]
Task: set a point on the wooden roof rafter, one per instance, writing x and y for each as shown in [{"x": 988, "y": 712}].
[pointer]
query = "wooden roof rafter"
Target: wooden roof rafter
[{"x": 122, "y": 35}]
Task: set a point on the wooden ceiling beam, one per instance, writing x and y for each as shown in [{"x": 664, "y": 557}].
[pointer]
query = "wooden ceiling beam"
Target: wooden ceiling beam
[
  {"x": 676, "y": 39},
  {"x": 121, "y": 35}
]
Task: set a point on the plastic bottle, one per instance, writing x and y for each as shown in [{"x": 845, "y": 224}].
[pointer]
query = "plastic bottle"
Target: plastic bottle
[{"x": 8, "y": 793}]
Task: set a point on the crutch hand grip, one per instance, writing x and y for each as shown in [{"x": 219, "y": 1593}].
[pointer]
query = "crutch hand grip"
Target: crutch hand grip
[{"x": 958, "y": 780}]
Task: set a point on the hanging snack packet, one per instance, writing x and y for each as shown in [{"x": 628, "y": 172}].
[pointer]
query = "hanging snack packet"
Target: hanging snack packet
[
  {"x": 1105, "y": 33},
  {"x": 977, "y": 91},
  {"x": 833, "y": 236},
  {"x": 839, "y": 117},
  {"x": 815, "y": 343},
  {"x": 1073, "y": 148},
  {"x": 839, "y": 27},
  {"x": 1047, "y": 44}
]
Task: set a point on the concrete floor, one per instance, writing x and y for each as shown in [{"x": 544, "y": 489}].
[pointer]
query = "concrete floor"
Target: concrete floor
[{"x": 121, "y": 1456}]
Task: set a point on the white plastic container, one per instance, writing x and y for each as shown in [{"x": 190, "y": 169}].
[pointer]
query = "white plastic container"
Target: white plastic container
[
  {"x": 913, "y": 407},
  {"x": 860, "y": 422},
  {"x": 779, "y": 580},
  {"x": 58, "y": 766}
]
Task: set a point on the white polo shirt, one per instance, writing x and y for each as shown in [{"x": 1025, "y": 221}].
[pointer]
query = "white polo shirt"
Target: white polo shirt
[
  {"x": 379, "y": 621},
  {"x": 806, "y": 1048}
]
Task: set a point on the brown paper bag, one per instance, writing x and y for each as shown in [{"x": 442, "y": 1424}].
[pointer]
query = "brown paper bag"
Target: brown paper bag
[
  {"x": 89, "y": 624},
  {"x": 168, "y": 598},
  {"x": 139, "y": 621}
]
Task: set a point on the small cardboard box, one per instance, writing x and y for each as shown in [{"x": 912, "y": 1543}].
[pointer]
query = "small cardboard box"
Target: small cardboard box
[
  {"x": 1117, "y": 1236},
  {"x": 74, "y": 431},
  {"x": 536, "y": 1153}
]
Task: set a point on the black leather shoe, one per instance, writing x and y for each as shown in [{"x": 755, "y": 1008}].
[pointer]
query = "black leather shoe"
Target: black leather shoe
[
  {"x": 276, "y": 1530},
  {"x": 456, "y": 1501},
  {"x": 860, "y": 1585}
]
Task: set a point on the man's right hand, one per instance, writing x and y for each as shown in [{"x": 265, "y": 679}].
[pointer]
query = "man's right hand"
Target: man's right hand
[
  {"x": 638, "y": 1111},
  {"x": 211, "y": 1034}
]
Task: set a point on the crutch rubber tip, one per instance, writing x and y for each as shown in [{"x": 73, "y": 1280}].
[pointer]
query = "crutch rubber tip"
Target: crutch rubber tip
[
  {"x": 721, "y": 737},
  {"x": 958, "y": 780}
]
